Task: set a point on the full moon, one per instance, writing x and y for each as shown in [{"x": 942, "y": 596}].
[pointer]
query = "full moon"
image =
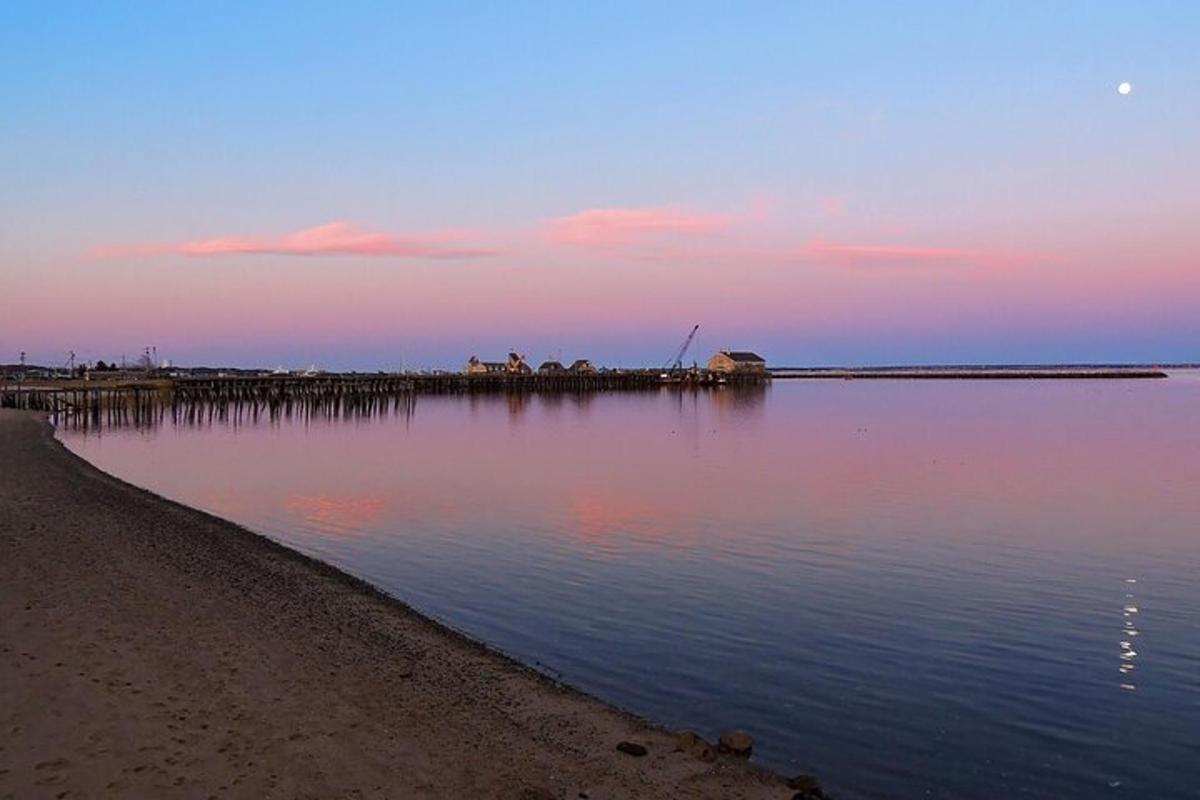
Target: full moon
[{"x": 1124, "y": 87}]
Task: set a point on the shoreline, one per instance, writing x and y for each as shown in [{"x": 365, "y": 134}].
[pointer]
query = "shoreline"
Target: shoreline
[{"x": 149, "y": 648}]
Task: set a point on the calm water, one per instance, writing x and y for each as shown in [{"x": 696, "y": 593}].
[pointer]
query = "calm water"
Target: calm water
[{"x": 913, "y": 589}]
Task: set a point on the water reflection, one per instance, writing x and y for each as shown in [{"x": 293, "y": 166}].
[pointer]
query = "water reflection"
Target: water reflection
[
  {"x": 345, "y": 515},
  {"x": 848, "y": 569},
  {"x": 1128, "y": 632}
]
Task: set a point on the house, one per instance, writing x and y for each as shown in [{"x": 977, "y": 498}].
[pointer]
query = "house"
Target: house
[
  {"x": 477, "y": 367},
  {"x": 737, "y": 361},
  {"x": 582, "y": 366},
  {"x": 516, "y": 365},
  {"x": 551, "y": 368}
]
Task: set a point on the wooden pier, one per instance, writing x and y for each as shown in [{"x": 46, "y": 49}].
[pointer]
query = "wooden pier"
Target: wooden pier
[
  {"x": 84, "y": 403},
  {"x": 194, "y": 400},
  {"x": 142, "y": 400}
]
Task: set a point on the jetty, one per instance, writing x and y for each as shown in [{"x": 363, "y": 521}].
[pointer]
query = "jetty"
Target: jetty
[
  {"x": 148, "y": 399},
  {"x": 139, "y": 398}
]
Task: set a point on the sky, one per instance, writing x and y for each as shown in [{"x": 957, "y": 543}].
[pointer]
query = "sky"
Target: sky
[{"x": 388, "y": 185}]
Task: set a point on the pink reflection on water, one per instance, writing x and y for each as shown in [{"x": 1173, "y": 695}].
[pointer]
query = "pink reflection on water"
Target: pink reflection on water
[
  {"x": 862, "y": 460},
  {"x": 346, "y": 515}
]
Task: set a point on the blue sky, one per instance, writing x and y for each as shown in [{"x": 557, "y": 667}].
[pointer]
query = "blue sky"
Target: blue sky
[{"x": 1024, "y": 210}]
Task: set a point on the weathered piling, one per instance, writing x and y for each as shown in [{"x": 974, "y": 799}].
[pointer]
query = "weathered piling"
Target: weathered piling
[{"x": 83, "y": 404}]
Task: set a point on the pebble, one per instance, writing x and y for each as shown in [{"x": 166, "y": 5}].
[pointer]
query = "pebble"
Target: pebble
[
  {"x": 739, "y": 743},
  {"x": 632, "y": 749},
  {"x": 694, "y": 745},
  {"x": 808, "y": 788}
]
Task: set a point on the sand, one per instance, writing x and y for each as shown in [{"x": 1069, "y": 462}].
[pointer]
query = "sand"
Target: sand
[{"x": 151, "y": 650}]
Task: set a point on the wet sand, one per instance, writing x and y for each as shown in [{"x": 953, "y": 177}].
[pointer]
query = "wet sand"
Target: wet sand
[{"x": 151, "y": 650}]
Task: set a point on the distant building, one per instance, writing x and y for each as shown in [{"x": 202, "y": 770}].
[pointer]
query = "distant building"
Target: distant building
[
  {"x": 515, "y": 365},
  {"x": 477, "y": 367},
  {"x": 581, "y": 366},
  {"x": 737, "y": 361},
  {"x": 551, "y": 368}
]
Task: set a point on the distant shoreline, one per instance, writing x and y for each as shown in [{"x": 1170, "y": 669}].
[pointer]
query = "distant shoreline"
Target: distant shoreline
[
  {"x": 971, "y": 373},
  {"x": 11, "y": 373},
  {"x": 151, "y": 649}
]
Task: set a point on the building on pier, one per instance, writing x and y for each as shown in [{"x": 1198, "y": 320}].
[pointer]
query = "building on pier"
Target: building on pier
[
  {"x": 477, "y": 367},
  {"x": 582, "y": 366},
  {"x": 515, "y": 365},
  {"x": 551, "y": 368},
  {"x": 740, "y": 361}
]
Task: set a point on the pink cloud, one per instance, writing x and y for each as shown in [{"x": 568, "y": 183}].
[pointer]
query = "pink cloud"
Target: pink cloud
[
  {"x": 334, "y": 238},
  {"x": 614, "y": 227}
]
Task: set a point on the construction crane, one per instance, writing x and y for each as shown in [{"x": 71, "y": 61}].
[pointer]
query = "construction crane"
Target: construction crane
[{"x": 677, "y": 362}]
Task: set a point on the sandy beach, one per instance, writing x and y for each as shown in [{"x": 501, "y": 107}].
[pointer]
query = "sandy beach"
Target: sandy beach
[{"x": 151, "y": 650}]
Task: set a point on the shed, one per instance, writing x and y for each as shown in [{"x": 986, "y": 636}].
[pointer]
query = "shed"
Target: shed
[
  {"x": 583, "y": 367},
  {"x": 516, "y": 365},
  {"x": 737, "y": 361},
  {"x": 477, "y": 367}
]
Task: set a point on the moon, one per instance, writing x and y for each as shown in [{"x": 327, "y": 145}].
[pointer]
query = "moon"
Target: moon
[{"x": 1124, "y": 87}]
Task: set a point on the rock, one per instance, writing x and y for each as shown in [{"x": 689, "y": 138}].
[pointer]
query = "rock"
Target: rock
[
  {"x": 739, "y": 743},
  {"x": 807, "y": 788},
  {"x": 802, "y": 782},
  {"x": 694, "y": 745},
  {"x": 537, "y": 793},
  {"x": 632, "y": 749}
]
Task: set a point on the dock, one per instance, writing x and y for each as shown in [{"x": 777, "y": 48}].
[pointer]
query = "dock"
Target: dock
[{"x": 149, "y": 400}]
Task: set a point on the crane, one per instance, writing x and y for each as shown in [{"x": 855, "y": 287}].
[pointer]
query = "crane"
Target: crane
[{"x": 677, "y": 362}]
